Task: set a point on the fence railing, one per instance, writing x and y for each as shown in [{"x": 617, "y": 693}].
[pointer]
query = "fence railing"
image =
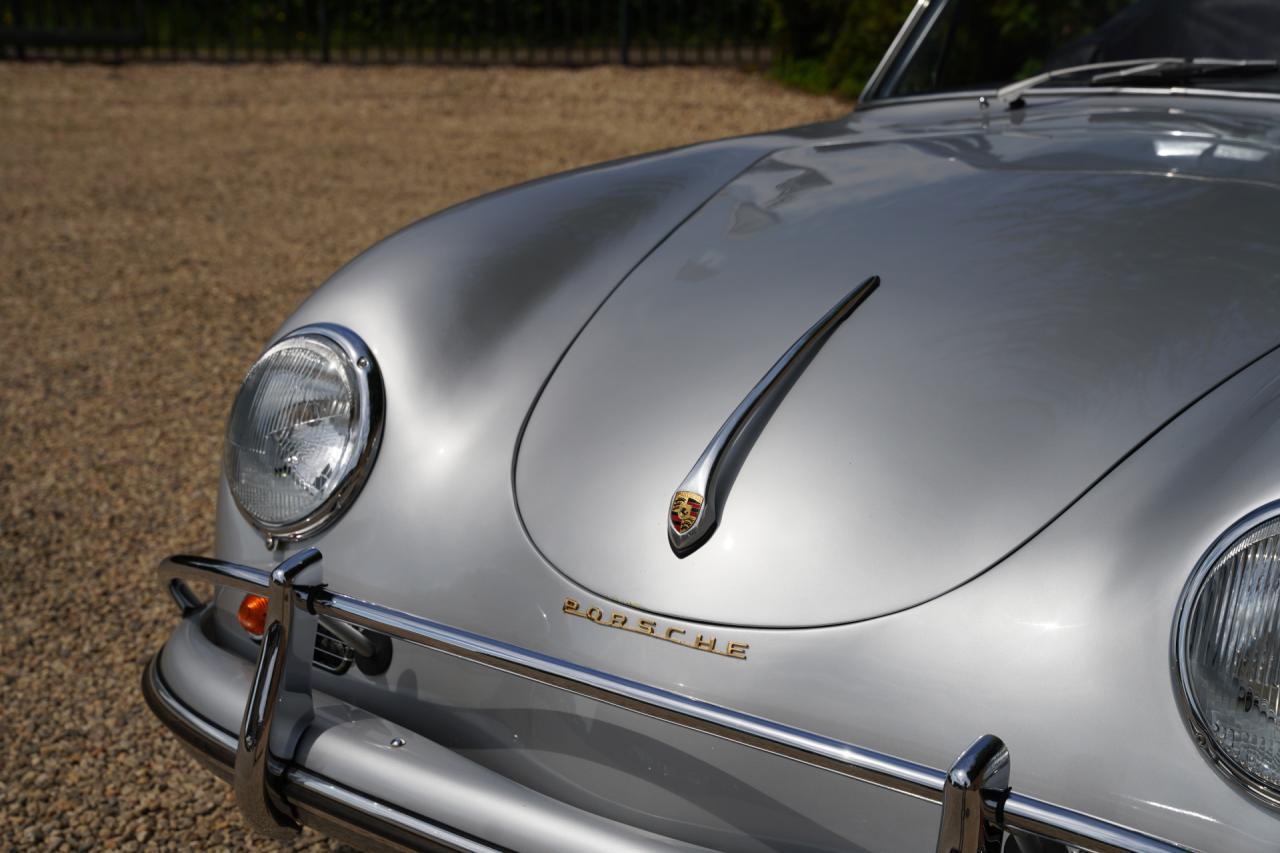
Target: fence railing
[{"x": 478, "y": 32}]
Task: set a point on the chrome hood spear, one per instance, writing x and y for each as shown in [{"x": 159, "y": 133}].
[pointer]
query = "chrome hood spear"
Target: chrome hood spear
[{"x": 697, "y": 502}]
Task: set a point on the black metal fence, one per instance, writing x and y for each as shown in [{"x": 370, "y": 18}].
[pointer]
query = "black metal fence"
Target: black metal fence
[{"x": 479, "y": 32}]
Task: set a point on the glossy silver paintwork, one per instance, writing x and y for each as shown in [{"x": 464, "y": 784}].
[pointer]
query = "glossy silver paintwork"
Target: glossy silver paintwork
[
  {"x": 1101, "y": 263},
  {"x": 1053, "y": 291},
  {"x": 712, "y": 474}
]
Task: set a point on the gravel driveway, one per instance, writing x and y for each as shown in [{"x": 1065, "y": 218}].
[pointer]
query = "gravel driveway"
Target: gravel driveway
[{"x": 156, "y": 225}]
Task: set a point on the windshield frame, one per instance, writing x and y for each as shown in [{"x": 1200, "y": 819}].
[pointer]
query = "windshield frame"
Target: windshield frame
[{"x": 920, "y": 21}]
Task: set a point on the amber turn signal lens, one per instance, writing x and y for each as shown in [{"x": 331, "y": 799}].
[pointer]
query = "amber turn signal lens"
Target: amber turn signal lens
[{"x": 253, "y": 614}]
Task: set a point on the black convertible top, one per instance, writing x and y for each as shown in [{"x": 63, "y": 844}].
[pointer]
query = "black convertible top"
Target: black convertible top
[{"x": 1222, "y": 29}]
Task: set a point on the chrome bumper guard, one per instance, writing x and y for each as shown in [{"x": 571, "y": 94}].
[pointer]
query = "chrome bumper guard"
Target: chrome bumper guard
[{"x": 275, "y": 796}]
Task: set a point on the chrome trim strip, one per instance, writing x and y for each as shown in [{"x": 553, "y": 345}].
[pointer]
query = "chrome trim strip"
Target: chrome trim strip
[
  {"x": 890, "y": 55},
  {"x": 1058, "y": 824},
  {"x": 894, "y": 73},
  {"x": 185, "y": 567},
  {"x": 687, "y": 712},
  {"x": 706, "y": 485},
  {"x": 895, "y": 774}
]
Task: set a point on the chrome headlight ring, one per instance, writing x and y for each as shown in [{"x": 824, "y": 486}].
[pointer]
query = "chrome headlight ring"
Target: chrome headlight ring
[
  {"x": 262, "y": 455},
  {"x": 1227, "y": 624}
]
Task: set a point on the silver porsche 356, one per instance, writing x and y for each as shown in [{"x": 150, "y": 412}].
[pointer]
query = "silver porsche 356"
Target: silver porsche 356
[{"x": 907, "y": 482}]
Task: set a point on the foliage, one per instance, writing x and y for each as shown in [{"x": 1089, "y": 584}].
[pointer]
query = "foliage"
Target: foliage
[
  {"x": 833, "y": 45},
  {"x": 546, "y": 31}
]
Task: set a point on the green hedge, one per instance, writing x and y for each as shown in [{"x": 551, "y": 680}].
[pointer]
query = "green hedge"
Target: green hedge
[{"x": 833, "y": 45}]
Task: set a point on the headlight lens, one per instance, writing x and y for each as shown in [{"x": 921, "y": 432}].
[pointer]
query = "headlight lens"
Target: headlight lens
[
  {"x": 303, "y": 431},
  {"x": 1228, "y": 645}
]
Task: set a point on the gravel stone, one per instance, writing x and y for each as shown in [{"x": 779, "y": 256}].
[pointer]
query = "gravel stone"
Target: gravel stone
[{"x": 156, "y": 224}]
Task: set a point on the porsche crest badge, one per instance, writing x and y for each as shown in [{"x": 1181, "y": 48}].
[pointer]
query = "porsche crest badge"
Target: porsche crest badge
[{"x": 685, "y": 508}]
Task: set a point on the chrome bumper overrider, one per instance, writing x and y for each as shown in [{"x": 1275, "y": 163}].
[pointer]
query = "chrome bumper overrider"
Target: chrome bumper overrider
[{"x": 275, "y": 795}]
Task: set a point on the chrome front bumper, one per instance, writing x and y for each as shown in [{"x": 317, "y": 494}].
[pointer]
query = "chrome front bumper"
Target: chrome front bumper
[
  {"x": 275, "y": 795},
  {"x": 334, "y": 809}
]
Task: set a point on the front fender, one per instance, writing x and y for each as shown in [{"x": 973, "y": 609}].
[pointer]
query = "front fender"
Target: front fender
[{"x": 468, "y": 312}]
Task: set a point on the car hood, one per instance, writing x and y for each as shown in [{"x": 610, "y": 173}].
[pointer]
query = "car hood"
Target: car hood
[{"x": 1049, "y": 298}]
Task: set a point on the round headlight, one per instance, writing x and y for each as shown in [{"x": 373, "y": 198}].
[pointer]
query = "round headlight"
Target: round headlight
[
  {"x": 303, "y": 431},
  {"x": 1227, "y": 645}
]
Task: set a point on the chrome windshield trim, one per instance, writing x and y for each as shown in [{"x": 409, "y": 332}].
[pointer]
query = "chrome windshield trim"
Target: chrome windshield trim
[
  {"x": 1016, "y": 811},
  {"x": 895, "y": 47}
]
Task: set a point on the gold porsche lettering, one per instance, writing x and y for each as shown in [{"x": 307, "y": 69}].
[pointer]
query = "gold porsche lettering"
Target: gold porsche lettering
[{"x": 652, "y": 628}]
